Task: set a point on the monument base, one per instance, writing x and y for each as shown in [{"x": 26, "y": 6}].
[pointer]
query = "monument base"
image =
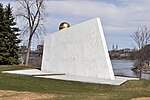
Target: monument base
[{"x": 61, "y": 76}]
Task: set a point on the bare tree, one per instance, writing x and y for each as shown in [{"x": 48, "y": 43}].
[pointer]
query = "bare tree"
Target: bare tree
[
  {"x": 142, "y": 38},
  {"x": 32, "y": 12}
]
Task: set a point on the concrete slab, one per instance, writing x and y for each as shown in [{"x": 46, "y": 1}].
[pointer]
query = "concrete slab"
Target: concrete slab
[
  {"x": 80, "y": 50},
  {"x": 60, "y": 76},
  {"x": 32, "y": 72},
  {"x": 117, "y": 81}
]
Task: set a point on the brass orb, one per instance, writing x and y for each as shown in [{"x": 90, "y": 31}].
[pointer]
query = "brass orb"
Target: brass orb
[{"x": 64, "y": 25}]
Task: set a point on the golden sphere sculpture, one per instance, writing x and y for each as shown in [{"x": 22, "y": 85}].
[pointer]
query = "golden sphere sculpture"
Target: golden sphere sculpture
[{"x": 64, "y": 25}]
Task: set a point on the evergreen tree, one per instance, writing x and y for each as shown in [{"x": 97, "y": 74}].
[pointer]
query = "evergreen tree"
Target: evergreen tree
[
  {"x": 2, "y": 36},
  {"x": 9, "y": 37}
]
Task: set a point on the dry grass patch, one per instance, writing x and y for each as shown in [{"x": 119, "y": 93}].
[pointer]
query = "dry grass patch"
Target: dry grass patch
[
  {"x": 15, "y": 95},
  {"x": 141, "y": 98}
]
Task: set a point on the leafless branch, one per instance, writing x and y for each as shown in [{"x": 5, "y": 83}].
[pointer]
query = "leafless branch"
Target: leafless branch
[{"x": 32, "y": 11}]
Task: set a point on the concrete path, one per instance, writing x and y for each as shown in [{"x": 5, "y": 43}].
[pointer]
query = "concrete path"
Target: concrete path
[{"x": 61, "y": 76}]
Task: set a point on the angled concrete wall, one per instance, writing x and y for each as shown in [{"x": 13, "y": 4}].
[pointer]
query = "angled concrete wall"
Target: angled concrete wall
[{"x": 78, "y": 51}]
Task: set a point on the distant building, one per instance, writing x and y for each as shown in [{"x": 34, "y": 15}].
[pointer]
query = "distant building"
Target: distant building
[
  {"x": 39, "y": 48},
  {"x": 35, "y": 57},
  {"x": 116, "y": 53},
  {"x": 115, "y": 47}
]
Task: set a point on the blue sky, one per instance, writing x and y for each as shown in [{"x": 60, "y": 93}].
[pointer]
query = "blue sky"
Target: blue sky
[{"x": 120, "y": 18}]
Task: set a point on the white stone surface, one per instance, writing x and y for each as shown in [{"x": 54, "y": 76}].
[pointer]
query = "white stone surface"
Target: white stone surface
[
  {"x": 29, "y": 72},
  {"x": 117, "y": 81},
  {"x": 34, "y": 72},
  {"x": 78, "y": 51}
]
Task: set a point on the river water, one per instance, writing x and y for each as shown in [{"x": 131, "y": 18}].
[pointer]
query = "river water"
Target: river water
[{"x": 123, "y": 68}]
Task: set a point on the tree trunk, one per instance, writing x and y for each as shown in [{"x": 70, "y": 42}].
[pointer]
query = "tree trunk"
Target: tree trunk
[
  {"x": 28, "y": 51},
  {"x": 140, "y": 72},
  {"x": 140, "y": 59}
]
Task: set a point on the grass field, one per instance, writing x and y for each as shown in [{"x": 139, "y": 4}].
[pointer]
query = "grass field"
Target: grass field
[{"x": 66, "y": 90}]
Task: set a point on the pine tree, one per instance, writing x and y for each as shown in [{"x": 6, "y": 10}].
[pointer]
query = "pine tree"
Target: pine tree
[
  {"x": 2, "y": 35},
  {"x": 9, "y": 38}
]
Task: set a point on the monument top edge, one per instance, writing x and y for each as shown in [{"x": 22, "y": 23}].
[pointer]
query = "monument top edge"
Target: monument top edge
[{"x": 86, "y": 21}]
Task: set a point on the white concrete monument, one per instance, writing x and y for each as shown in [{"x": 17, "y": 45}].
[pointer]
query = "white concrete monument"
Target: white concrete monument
[{"x": 78, "y": 51}]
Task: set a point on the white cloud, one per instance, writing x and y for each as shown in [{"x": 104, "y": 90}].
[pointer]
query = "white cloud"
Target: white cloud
[{"x": 120, "y": 17}]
